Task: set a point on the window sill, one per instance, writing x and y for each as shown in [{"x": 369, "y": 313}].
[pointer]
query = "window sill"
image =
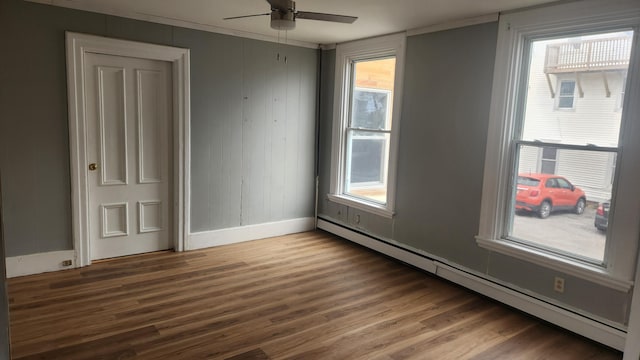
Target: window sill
[
  {"x": 580, "y": 270},
  {"x": 361, "y": 205}
]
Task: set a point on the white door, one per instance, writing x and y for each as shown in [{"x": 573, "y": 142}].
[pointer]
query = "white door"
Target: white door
[{"x": 128, "y": 107}]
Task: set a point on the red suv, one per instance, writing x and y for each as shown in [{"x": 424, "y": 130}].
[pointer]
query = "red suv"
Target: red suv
[{"x": 544, "y": 193}]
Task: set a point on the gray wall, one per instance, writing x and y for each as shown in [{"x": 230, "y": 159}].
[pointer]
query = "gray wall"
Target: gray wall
[
  {"x": 253, "y": 124},
  {"x": 445, "y": 116},
  {"x": 4, "y": 303}
]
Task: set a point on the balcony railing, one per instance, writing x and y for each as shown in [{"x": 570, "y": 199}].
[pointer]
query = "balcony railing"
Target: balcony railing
[{"x": 588, "y": 55}]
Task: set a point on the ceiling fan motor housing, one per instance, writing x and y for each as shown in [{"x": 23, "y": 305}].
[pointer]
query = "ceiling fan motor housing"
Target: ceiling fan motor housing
[{"x": 284, "y": 19}]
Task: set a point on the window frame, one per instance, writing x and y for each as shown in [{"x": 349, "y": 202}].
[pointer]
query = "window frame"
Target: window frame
[
  {"x": 346, "y": 54},
  {"x": 620, "y": 100},
  {"x": 516, "y": 30}
]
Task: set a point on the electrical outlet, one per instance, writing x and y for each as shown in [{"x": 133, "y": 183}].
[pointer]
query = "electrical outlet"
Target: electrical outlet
[
  {"x": 558, "y": 284},
  {"x": 66, "y": 263}
]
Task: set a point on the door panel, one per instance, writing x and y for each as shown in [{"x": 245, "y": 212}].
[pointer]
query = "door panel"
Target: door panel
[
  {"x": 112, "y": 125},
  {"x": 149, "y": 164},
  {"x": 128, "y": 148}
]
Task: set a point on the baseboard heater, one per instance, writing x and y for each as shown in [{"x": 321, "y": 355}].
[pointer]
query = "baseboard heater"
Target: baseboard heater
[{"x": 540, "y": 308}]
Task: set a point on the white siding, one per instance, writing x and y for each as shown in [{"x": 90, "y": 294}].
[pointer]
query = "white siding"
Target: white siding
[
  {"x": 529, "y": 161},
  {"x": 595, "y": 117},
  {"x": 589, "y": 170}
]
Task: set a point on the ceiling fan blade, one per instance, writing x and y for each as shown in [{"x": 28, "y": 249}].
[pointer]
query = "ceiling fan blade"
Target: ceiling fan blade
[
  {"x": 245, "y": 16},
  {"x": 282, "y": 5},
  {"x": 326, "y": 17}
]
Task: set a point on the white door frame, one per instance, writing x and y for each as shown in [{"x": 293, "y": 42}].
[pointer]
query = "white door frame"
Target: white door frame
[{"x": 77, "y": 46}]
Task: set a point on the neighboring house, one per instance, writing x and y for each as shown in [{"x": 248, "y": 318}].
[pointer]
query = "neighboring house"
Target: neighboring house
[{"x": 573, "y": 86}]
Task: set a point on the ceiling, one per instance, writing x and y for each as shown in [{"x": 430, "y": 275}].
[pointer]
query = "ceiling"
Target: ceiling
[{"x": 375, "y": 17}]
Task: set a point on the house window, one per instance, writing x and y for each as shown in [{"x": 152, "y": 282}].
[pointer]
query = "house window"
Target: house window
[
  {"x": 548, "y": 160},
  {"x": 566, "y": 94},
  {"x": 366, "y": 118},
  {"x": 545, "y": 217}
]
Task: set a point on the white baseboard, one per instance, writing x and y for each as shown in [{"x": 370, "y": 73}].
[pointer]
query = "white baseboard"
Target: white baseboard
[
  {"x": 39, "y": 263},
  {"x": 579, "y": 324},
  {"x": 556, "y": 315},
  {"x": 234, "y": 235},
  {"x": 379, "y": 246}
]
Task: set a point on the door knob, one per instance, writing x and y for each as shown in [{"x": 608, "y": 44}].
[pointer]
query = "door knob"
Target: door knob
[{"x": 93, "y": 166}]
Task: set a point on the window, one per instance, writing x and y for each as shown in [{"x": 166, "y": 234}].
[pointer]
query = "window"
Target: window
[
  {"x": 548, "y": 160},
  {"x": 548, "y": 217},
  {"x": 584, "y": 142},
  {"x": 366, "y": 119},
  {"x": 565, "y": 95},
  {"x": 368, "y": 136}
]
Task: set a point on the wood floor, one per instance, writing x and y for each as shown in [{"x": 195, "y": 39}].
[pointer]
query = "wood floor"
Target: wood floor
[{"x": 304, "y": 296}]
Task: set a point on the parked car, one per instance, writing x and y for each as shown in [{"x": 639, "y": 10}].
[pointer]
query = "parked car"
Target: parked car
[
  {"x": 544, "y": 193},
  {"x": 601, "y": 221}
]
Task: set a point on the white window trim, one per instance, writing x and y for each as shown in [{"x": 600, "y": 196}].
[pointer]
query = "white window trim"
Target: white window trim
[
  {"x": 390, "y": 45},
  {"x": 620, "y": 98},
  {"x": 514, "y": 30}
]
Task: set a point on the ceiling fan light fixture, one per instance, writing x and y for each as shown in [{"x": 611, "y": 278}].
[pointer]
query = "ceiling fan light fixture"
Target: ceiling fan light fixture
[{"x": 280, "y": 21}]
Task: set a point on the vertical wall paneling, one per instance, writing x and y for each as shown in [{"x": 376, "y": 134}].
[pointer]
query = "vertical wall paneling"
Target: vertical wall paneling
[
  {"x": 278, "y": 132},
  {"x": 279, "y": 122},
  {"x": 216, "y": 132},
  {"x": 293, "y": 145},
  {"x": 256, "y": 137},
  {"x": 250, "y": 152}
]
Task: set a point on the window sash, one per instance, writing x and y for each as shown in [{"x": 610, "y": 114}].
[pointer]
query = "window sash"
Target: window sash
[
  {"x": 389, "y": 99},
  {"x": 508, "y": 215},
  {"x": 346, "y": 55}
]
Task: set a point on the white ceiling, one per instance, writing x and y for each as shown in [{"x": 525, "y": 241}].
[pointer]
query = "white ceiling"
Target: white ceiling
[{"x": 375, "y": 17}]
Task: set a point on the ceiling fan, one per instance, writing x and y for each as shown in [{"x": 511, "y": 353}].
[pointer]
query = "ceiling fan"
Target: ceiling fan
[{"x": 283, "y": 15}]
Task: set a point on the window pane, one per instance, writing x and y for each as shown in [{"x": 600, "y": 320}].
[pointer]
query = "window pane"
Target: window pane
[
  {"x": 372, "y": 93},
  {"x": 565, "y": 102},
  {"x": 549, "y": 153},
  {"x": 599, "y": 62},
  {"x": 548, "y": 167},
  {"x": 560, "y": 211},
  {"x": 567, "y": 88},
  {"x": 370, "y": 108},
  {"x": 367, "y": 158}
]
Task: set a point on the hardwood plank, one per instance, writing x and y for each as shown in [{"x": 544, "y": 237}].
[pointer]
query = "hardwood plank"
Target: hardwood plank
[
  {"x": 302, "y": 296},
  {"x": 256, "y": 354},
  {"x": 112, "y": 347}
]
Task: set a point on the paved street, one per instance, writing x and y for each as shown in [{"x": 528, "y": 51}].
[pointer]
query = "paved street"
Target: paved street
[{"x": 564, "y": 231}]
